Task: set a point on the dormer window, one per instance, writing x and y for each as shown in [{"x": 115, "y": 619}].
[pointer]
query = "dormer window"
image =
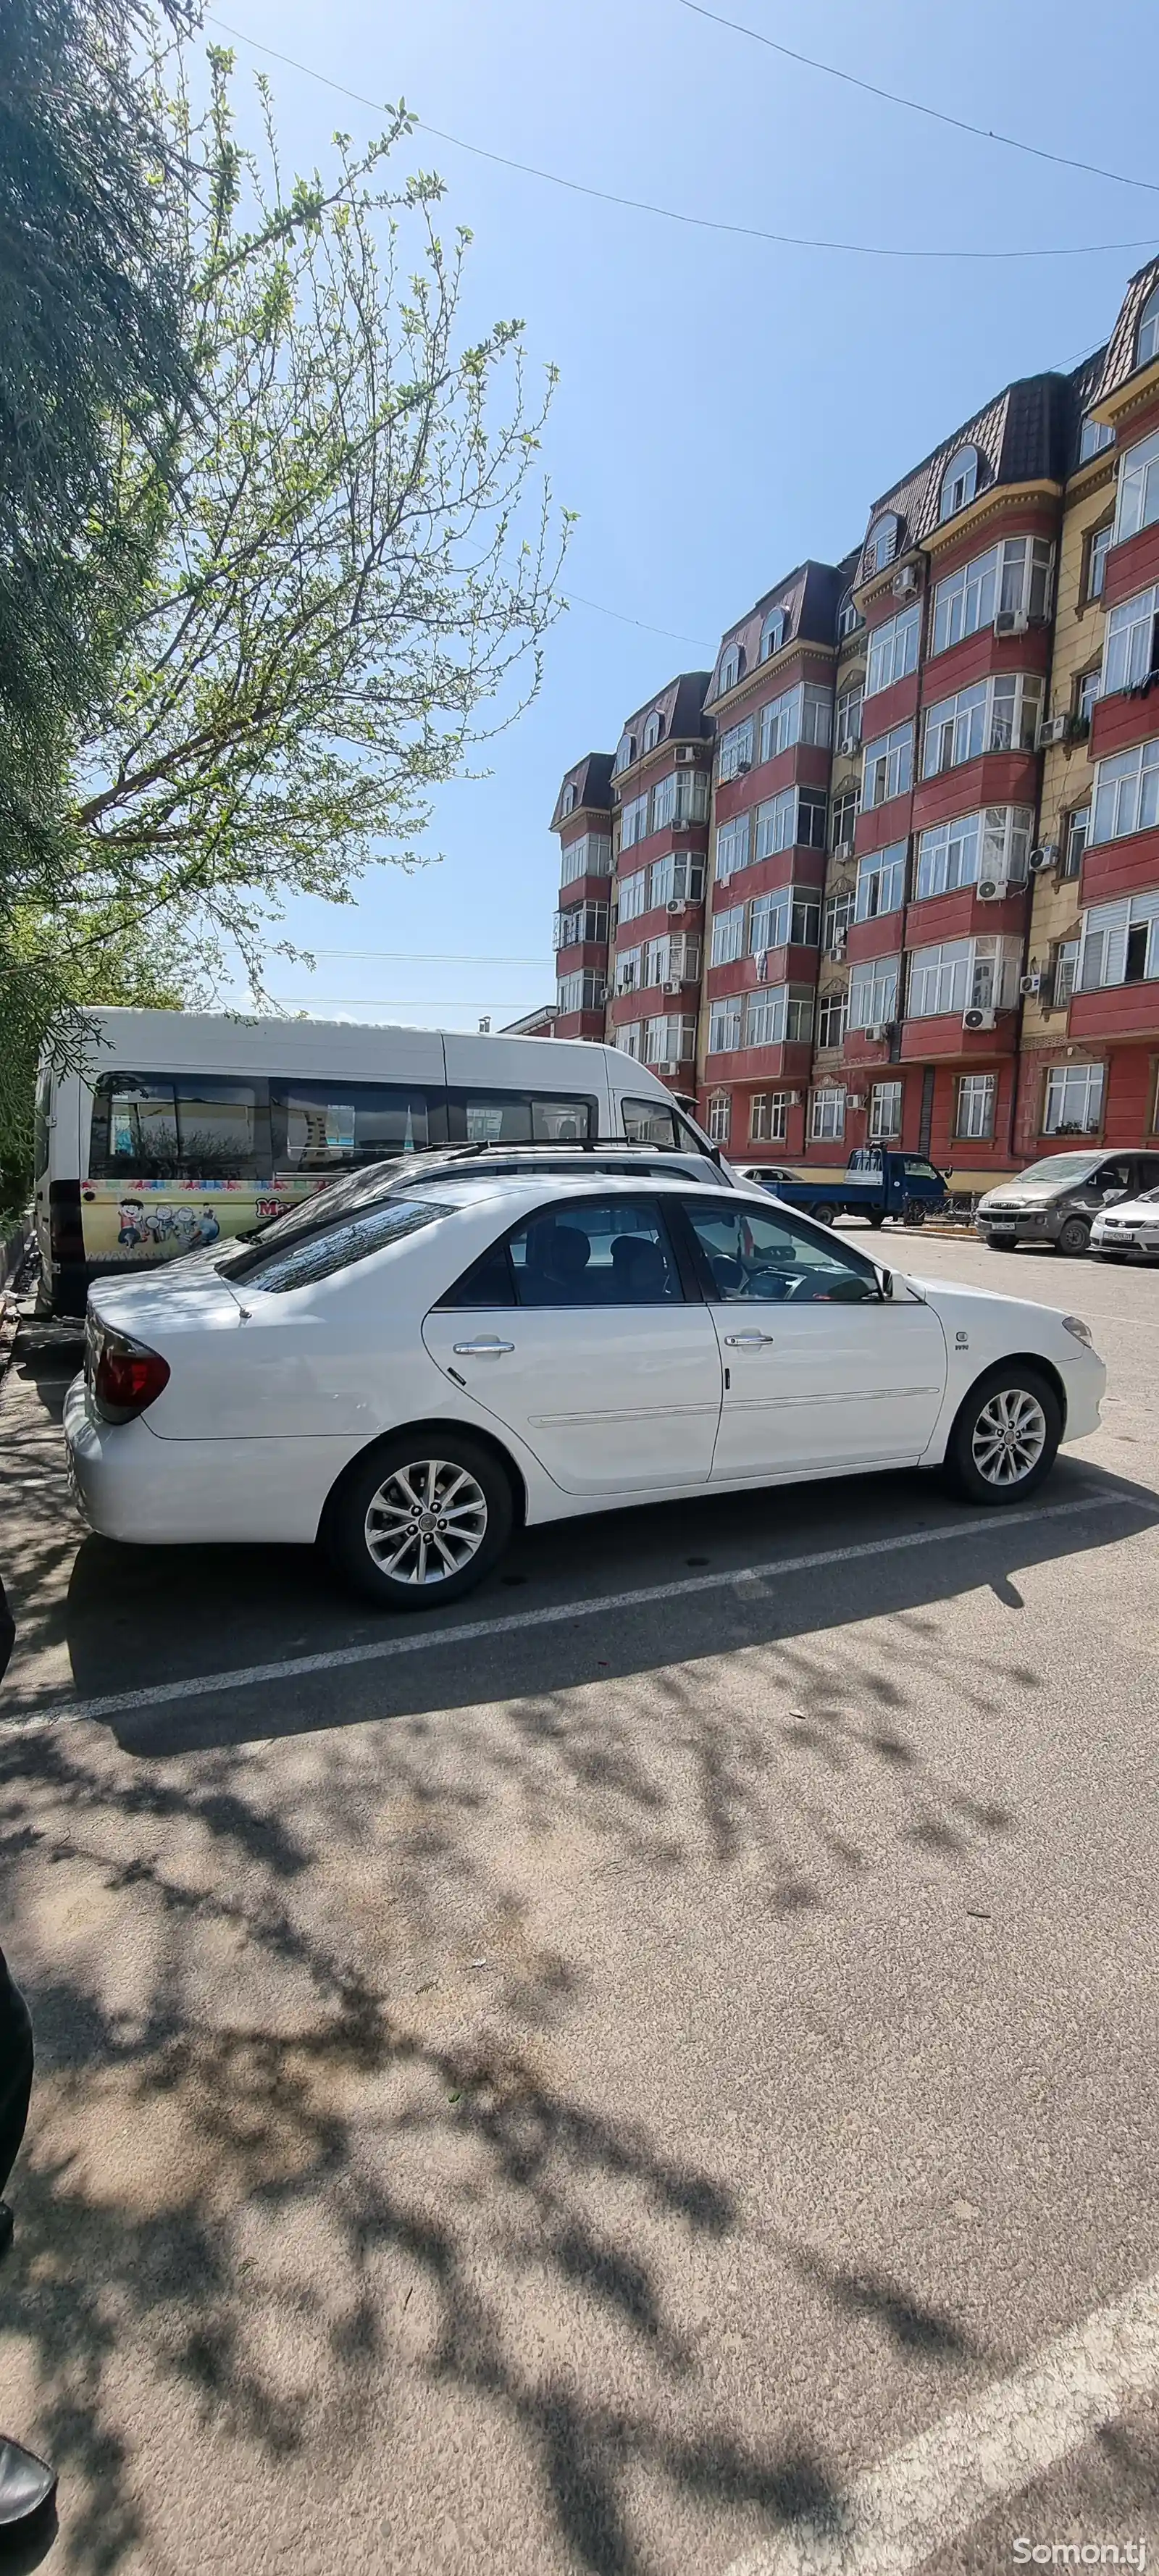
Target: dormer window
[
  {"x": 731, "y": 670},
  {"x": 848, "y": 619},
  {"x": 881, "y": 544},
  {"x": 569, "y": 798},
  {"x": 1093, "y": 437},
  {"x": 959, "y": 483},
  {"x": 1147, "y": 342},
  {"x": 772, "y": 633},
  {"x": 627, "y": 751},
  {"x": 652, "y": 731}
]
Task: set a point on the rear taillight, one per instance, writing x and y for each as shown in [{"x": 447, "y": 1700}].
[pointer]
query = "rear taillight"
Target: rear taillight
[{"x": 124, "y": 1376}]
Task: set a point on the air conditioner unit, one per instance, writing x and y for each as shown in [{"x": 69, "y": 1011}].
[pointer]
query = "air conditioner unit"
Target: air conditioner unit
[
  {"x": 837, "y": 951},
  {"x": 1011, "y": 621},
  {"x": 1028, "y": 984},
  {"x": 793, "y": 1099},
  {"x": 686, "y": 751},
  {"x": 673, "y": 985},
  {"x": 843, "y": 849},
  {"x": 857, "y": 1099},
  {"x": 1052, "y": 729},
  {"x": 849, "y": 742},
  {"x": 674, "y": 906},
  {"x": 979, "y": 1019},
  {"x": 905, "y": 582},
  {"x": 879, "y": 1030},
  {"x": 992, "y": 889},
  {"x": 1045, "y": 856},
  {"x": 670, "y": 1067}
]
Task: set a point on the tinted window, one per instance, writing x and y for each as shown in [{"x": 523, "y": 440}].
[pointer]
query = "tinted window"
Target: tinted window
[
  {"x": 332, "y": 1247},
  {"x": 176, "y": 1127},
  {"x": 1148, "y": 1172},
  {"x": 328, "y": 1126},
  {"x": 595, "y": 1253},
  {"x": 488, "y": 1282},
  {"x": 519, "y": 1118},
  {"x": 771, "y": 1260},
  {"x": 648, "y": 1122}
]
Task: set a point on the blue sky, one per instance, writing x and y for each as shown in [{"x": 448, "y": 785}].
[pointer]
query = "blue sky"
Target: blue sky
[{"x": 725, "y": 407}]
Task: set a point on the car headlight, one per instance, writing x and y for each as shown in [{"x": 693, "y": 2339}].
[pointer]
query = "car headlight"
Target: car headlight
[{"x": 1082, "y": 1331}]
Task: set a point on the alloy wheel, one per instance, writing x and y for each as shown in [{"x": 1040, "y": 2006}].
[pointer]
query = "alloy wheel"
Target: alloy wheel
[
  {"x": 1009, "y": 1436},
  {"x": 426, "y": 1521}
]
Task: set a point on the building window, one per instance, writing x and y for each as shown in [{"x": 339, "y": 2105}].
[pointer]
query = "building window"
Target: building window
[
  {"x": 1098, "y": 548},
  {"x": 1078, "y": 824},
  {"x": 653, "y": 730},
  {"x": 791, "y": 820},
  {"x": 1131, "y": 651},
  {"x": 1120, "y": 943},
  {"x": 873, "y": 993},
  {"x": 1126, "y": 795},
  {"x": 1138, "y": 502},
  {"x": 846, "y": 809},
  {"x": 736, "y": 751},
  {"x": 963, "y": 975},
  {"x": 1063, "y": 973},
  {"x": 772, "y": 634},
  {"x": 580, "y": 993},
  {"x": 784, "y": 920},
  {"x": 628, "y": 970},
  {"x": 728, "y": 936},
  {"x": 669, "y": 1041},
  {"x": 732, "y": 847},
  {"x": 832, "y": 1016},
  {"x": 849, "y": 718},
  {"x": 838, "y": 915},
  {"x": 880, "y": 545},
  {"x": 1010, "y": 580},
  {"x": 848, "y": 618},
  {"x": 672, "y": 959},
  {"x": 803, "y": 714},
  {"x": 677, "y": 879},
  {"x": 630, "y": 1040},
  {"x": 1086, "y": 694},
  {"x": 999, "y": 714},
  {"x": 719, "y": 1116},
  {"x": 1074, "y": 1100},
  {"x": 881, "y": 882},
  {"x": 827, "y": 1116},
  {"x": 663, "y": 801},
  {"x": 633, "y": 896},
  {"x": 585, "y": 922},
  {"x": 769, "y": 1117},
  {"x": 1147, "y": 343},
  {"x": 994, "y": 843},
  {"x": 724, "y": 1020},
  {"x": 885, "y": 1113},
  {"x": 590, "y": 856},
  {"x": 888, "y": 766},
  {"x": 974, "y": 1105},
  {"x": 1093, "y": 437},
  {"x": 783, "y": 1013},
  {"x": 893, "y": 651},
  {"x": 569, "y": 798},
  {"x": 731, "y": 670},
  {"x": 625, "y": 752},
  {"x": 634, "y": 822},
  {"x": 959, "y": 483}
]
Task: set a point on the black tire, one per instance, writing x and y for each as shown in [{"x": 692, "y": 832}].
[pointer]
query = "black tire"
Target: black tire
[
  {"x": 963, "y": 1472},
  {"x": 825, "y": 1214},
  {"x": 876, "y": 1218},
  {"x": 487, "y": 1512},
  {"x": 915, "y": 1212},
  {"x": 1074, "y": 1234}
]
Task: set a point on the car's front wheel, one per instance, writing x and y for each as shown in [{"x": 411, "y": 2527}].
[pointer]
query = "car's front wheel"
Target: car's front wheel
[
  {"x": 420, "y": 1519},
  {"x": 1005, "y": 1437},
  {"x": 1073, "y": 1236}
]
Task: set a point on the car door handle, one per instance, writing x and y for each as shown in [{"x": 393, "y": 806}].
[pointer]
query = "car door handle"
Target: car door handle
[
  {"x": 748, "y": 1341},
  {"x": 489, "y": 1350}
]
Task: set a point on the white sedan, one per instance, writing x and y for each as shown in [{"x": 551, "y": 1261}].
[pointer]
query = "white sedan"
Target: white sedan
[
  {"x": 409, "y": 1378},
  {"x": 1128, "y": 1230}
]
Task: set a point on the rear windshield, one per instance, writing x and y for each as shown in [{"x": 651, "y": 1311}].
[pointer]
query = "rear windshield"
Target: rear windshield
[{"x": 280, "y": 1266}]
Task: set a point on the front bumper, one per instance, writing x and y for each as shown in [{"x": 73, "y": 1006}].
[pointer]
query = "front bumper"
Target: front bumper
[
  {"x": 1016, "y": 1228},
  {"x": 1136, "y": 1242}
]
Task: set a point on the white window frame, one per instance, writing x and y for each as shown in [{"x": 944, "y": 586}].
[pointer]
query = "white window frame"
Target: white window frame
[
  {"x": 778, "y": 1015},
  {"x": 582, "y": 991},
  {"x": 769, "y": 1117},
  {"x": 691, "y": 796},
  {"x": 847, "y": 731},
  {"x": 653, "y": 730},
  {"x": 634, "y": 821},
  {"x": 881, "y": 543},
  {"x": 880, "y": 882},
  {"x": 663, "y": 802},
  {"x": 676, "y": 878},
  {"x": 894, "y": 647},
  {"x": 1130, "y": 640},
  {"x": 732, "y": 845},
  {"x": 719, "y": 1117},
  {"x": 772, "y": 633},
  {"x": 736, "y": 750},
  {"x": 1104, "y": 937},
  {"x": 827, "y": 1115},
  {"x": 781, "y": 722},
  {"x": 625, "y": 753},
  {"x": 582, "y": 925},
  {"x": 838, "y": 913},
  {"x": 994, "y": 842},
  {"x": 1094, "y": 436},
  {"x": 888, "y": 762},
  {"x": 1137, "y": 498},
  {"x": 630, "y": 1039},
  {"x": 730, "y": 671},
  {"x": 832, "y": 1008},
  {"x": 1099, "y": 545},
  {"x": 873, "y": 986},
  {"x": 843, "y": 813},
  {"x": 1087, "y": 1082},
  {"x": 588, "y": 856},
  {"x": 727, "y": 936},
  {"x": 1147, "y": 331},
  {"x": 975, "y": 1107},
  {"x": 629, "y": 971},
  {"x": 959, "y": 483},
  {"x": 1126, "y": 793},
  {"x": 724, "y": 1024},
  {"x": 1001, "y": 713},
  {"x": 1015, "y": 578},
  {"x": 959, "y": 975},
  {"x": 632, "y": 896},
  {"x": 885, "y": 1106},
  {"x": 669, "y": 1040}
]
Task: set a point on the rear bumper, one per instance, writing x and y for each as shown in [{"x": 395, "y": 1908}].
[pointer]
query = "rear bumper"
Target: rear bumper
[{"x": 132, "y": 1486}]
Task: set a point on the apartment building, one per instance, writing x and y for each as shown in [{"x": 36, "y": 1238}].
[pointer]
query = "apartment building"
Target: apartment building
[{"x": 932, "y": 842}]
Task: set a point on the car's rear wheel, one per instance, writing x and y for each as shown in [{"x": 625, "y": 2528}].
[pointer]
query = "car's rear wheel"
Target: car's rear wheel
[
  {"x": 420, "y": 1519},
  {"x": 915, "y": 1212},
  {"x": 1005, "y": 1436},
  {"x": 824, "y": 1215},
  {"x": 1073, "y": 1236},
  {"x": 876, "y": 1218}
]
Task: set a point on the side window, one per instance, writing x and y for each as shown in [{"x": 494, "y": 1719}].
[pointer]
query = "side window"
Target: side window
[
  {"x": 40, "y": 1127},
  {"x": 1148, "y": 1172},
  {"x": 178, "y": 1127},
  {"x": 591, "y": 1252},
  {"x": 771, "y": 1260},
  {"x": 488, "y": 1282},
  {"x": 648, "y": 1122},
  {"x": 332, "y": 1126},
  {"x": 516, "y": 1118}
]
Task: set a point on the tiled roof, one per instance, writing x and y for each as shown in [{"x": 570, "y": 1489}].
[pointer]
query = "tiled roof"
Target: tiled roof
[
  {"x": 681, "y": 705},
  {"x": 592, "y": 780},
  {"x": 1120, "y": 357},
  {"x": 1025, "y": 432},
  {"x": 808, "y": 597}
]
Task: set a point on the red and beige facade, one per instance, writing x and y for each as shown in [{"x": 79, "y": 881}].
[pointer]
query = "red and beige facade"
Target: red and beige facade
[{"x": 915, "y": 887}]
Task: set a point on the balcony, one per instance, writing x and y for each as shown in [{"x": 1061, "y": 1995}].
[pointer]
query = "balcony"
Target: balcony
[
  {"x": 961, "y": 914},
  {"x": 1131, "y": 566},
  {"x": 945, "y": 1037},
  {"x": 1127, "y": 866},
  {"x": 879, "y": 937},
  {"x": 789, "y": 965},
  {"x": 578, "y": 1024},
  {"x": 789, "y": 1063},
  {"x": 992, "y": 778},
  {"x": 1117, "y": 1011}
]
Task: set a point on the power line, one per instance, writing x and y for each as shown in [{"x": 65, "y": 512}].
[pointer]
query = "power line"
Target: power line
[
  {"x": 672, "y": 214},
  {"x": 433, "y": 956},
  {"x": 394, "y": 1002},
  {"x": 918, "y": 107}
]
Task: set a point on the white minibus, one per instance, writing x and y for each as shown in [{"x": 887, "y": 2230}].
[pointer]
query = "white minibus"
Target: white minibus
[{"x": 162, "y": 1130}]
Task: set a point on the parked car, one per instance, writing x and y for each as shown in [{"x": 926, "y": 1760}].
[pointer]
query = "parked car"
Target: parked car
[
  {"x": 876, "y": 1183},
  {"x": 1128, "y": 1231},
  {"x": 1056, "y": 1201},
  {"x": 414, "y": 1377}
]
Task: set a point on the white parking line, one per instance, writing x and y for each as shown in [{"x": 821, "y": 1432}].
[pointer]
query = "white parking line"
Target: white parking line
[
  {"x": 894, "y": 2517},
  {"x": 415, "y": 1641}
]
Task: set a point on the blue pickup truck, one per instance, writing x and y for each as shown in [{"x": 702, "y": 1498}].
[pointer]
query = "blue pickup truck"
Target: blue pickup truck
[{"x": 876, "y": 1183}]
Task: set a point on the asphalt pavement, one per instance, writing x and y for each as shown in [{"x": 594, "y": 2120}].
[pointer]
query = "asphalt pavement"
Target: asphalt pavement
[{"x": 646, "y": 2073}]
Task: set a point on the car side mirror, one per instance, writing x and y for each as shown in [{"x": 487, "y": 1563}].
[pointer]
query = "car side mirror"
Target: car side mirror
[{"x": 885, "y": 1282}]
